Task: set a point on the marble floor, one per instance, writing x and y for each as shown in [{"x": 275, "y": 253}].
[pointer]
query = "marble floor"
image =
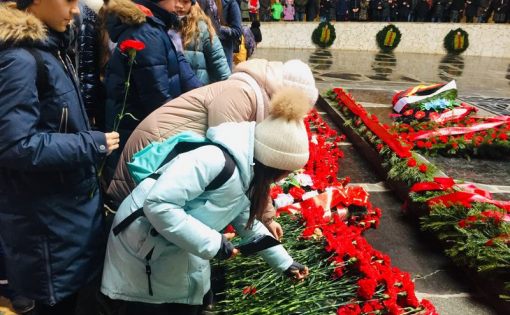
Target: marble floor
[
  {"x": 372, "y": 79},
  {"x": 482, "y": 81}
]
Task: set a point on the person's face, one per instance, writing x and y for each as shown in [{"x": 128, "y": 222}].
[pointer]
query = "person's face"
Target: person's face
[
  {"x": 182, "y": 7},
  {"x": 168, "y": 5},
  {"x": 56, "y": 14}
]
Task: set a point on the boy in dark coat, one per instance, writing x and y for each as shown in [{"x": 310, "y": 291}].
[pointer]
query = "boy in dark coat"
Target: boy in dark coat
[{"x": 51, "y": 226}]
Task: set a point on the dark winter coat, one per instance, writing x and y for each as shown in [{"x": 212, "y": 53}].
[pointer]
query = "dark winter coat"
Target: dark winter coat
[
  {"x": 422, "y": 10},
  {"x": 51, "y": 222},
  {"x": 156, "y": 76},
  {"x": 92, "y": 89},
  {"x": 231, "y": 28},
  {"x": 300, "y": 5},
  {"x": 438, "y": 8},
  {"x": 160, "y": 73},
  {"x": 472, "y": 7},
  {"x": 500, "y": 9},
  {"x": 324, "y": 7},
  {"x": 458, "y": 5}
]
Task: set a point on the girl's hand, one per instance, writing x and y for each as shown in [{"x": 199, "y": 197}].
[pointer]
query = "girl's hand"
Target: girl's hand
[
  {"x": 275, "y": 228},
  {"x": 297, "y": 271},
  {"x": 112, "y": 141}
]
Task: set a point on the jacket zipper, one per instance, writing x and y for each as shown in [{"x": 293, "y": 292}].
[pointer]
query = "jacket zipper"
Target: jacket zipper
[
  {"x": 46, "y": 253},
  {"x": 148, "y": 271},
  {"x": 64, "y": 116},
  {"x": 71, "y": 72}
]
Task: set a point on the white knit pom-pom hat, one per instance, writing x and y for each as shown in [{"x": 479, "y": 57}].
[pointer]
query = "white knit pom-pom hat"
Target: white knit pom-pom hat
[
  {"x": 298, "y": 74},
  {"x": 281, "y": 140}
]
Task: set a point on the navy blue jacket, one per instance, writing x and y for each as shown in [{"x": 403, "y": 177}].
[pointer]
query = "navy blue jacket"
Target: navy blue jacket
[
  {"x": 88, "y": 54},
  {"x": 50, "y": 210},
  {"x": 231, "y": 28},
  {"x": 159, "y": 74}
]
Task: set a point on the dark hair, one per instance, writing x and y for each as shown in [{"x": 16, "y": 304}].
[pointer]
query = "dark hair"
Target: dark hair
[
  {"x": 258, "y": 192},
  {"x": 255, "y": 23},
  {"x": 23, "y": 4}
]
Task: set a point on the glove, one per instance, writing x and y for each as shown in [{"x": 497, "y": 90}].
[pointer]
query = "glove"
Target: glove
[
  {"x": 226, "y": 249},
  {"x": 296, "y": 270}
]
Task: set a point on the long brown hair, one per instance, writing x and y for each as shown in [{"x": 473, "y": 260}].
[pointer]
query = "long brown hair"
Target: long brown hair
[
  {"x": 189, "y": 28},
  {"x": 258, "y": 192}
]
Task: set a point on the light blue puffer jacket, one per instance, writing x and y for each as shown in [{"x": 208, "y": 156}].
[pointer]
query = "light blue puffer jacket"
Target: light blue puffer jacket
[
  {"x": 207, "y": 59},
  {"x": 187, "y": 219}
]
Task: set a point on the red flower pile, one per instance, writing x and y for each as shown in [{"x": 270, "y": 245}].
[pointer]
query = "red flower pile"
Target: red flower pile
[{"x": 381, "y": 287}]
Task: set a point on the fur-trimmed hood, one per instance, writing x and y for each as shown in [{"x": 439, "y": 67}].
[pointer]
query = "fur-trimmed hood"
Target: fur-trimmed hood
[
  {"x": 18, "y": 27},
  {"x": 126, "y": 10}
]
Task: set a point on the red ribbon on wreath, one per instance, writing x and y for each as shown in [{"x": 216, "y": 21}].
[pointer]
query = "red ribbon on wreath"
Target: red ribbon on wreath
[
  {"x": 396, "y": 146},
  {"x": 470, "y": 193}
]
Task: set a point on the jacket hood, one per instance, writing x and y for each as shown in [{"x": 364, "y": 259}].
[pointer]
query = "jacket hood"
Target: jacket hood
[
  {"x": 95, "y": 5},
  {"x": 238, "y": 138},
  {"x": 127, "y": 11},
  {"x": 18, "y": 27},
  {"x": 268, "y": 74}
]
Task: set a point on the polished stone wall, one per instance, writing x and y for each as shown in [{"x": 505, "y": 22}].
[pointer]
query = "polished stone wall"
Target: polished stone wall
[{"x": 492, "y": 40}]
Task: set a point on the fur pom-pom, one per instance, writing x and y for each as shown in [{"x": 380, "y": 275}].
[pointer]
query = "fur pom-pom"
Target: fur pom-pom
[{"x": 290, "y": 103}]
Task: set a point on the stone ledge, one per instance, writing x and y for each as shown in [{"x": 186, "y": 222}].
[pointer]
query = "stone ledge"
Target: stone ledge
[{"x": 490, "y": 40}]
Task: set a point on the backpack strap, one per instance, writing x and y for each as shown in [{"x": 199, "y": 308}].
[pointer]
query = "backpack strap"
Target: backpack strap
[
  {"x": 217, "y": 182},
  {"x": 41, "y": 81}
]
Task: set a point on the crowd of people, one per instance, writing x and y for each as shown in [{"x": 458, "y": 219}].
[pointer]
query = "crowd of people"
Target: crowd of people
[
  {"x": 83, "y": 92},
  {"x": 479, "y": 11}
]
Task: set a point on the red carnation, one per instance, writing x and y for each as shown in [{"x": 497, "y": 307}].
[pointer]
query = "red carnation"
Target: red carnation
[
  {"x": 423, "y": 168},
  {"x": 131, "y": 44},
  {"x": 351, "y": 309},
  {"x": 229, "y": 229},
  {"x": 408, "y": 112},
  {"x": 433, "y": 116},
  {"x": 296, "y": 192},
  {"x": 503, "y": 136},
  {"x": 411, "y": 162},
  {"x": 419, "y": 114},
  {"x": 367, "y": 288},
  {"x": 275, "y": 191}
]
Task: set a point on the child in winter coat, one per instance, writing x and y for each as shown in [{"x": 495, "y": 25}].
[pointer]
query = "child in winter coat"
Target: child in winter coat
[
  {"x": 202, "y": 48},
  {"x": 288, "y": 11},
  {"x": 277, "y": 10},
  {"x": 160, "y": 261},
  {"x": 245, "y": 96},
  {"x": 159, "y": 73},
  {"x": 253, "y": 7},
  {"x": 51, "y": 223}
]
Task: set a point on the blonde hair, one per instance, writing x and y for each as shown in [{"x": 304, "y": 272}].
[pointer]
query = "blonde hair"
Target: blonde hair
[{"x": 189, "y": 29}]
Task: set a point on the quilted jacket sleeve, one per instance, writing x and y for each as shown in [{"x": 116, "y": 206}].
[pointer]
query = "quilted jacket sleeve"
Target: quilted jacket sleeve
[
  {"x": 217, "y": 65},
  {"x": 184, "y": 180},
  {"x": 22, "y": 146}
]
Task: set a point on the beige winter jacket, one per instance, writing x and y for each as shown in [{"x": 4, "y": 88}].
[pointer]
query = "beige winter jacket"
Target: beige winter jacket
[{"x": 236, "y": 99}]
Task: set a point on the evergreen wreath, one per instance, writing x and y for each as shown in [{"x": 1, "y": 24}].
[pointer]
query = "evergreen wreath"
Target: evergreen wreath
[
  {"x": 456, "y": 41},
  {"x": 388, "y": 38},
  {"x": 324, "y": 35}
]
